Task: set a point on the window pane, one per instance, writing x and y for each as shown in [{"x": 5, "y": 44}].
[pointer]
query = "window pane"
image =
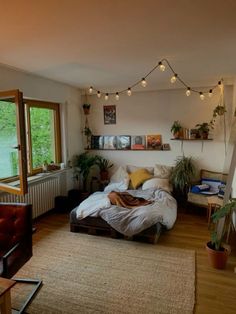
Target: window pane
[
  {"x": 8, "y": 140},
  {"x": 42, "y": 136}
]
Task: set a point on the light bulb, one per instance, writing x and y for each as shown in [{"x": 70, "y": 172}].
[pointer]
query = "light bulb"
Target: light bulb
[
  {"x": 99, "y": 94},
  {"x": 117, "y": 96},
  {"x": 188, "y": 92},
  {"x": 161, "y": 66},
  {"x": 90, "y": 90},
  {"x": 210, "y": 93},
  {"x": 129, "y": 92},
  {"x": 106, "y": 96},
  {"x": 173, "y": 78},
  {"x": 201, "y": 96},
  {"x": 144, "y": 82}
]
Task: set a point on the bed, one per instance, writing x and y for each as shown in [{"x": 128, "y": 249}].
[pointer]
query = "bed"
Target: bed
[{"x": 98, "y": 215}]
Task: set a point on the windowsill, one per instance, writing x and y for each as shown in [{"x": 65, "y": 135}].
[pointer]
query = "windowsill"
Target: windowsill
[{"x": 39, "y": 177}]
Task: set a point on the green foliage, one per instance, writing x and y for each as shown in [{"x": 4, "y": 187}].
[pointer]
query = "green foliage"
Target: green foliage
[
  {"x": 176, "y": 127},
  {"x": 7, "y": 118},
  {"x": 103, "y": 163},
  {"x": 203, "y": 127},
  {"x": 183, "y": 173},
  {"x": 223, "y": 212},
  {"x": 82, "y": 164}
]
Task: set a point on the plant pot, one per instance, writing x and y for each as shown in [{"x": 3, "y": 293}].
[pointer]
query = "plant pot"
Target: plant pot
[
  {"x": 204, "y": 135},
  {"x": 217, "y": 259},
  {"x": 176, "y": 134},
  {"x": 104, "y": 175},
  {"x": 86, "y": 111}
]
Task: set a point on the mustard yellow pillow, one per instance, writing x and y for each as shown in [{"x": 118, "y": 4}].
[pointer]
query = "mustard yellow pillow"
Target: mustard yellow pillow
[{"x": 139, "y": 176}]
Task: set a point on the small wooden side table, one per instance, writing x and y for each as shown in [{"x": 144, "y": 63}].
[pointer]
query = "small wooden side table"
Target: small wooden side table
[{"x": 5, "y": 295}]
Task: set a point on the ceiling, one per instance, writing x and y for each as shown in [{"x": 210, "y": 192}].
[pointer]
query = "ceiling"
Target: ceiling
[{"x": 110, "y": 44}]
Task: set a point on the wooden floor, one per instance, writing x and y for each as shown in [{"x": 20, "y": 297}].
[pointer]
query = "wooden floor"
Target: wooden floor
[{"x": 215, "y": 289}]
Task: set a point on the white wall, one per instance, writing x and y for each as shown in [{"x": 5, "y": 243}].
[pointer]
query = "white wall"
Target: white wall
[
  {"x": 44, "y": 89},
  {"x": 153, "y": 113}
]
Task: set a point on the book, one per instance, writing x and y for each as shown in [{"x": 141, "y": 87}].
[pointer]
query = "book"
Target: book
[{"x": 123, "y": 142}]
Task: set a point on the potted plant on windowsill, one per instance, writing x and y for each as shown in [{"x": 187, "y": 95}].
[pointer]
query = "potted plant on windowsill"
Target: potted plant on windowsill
[
  {"x": 175, "y": 129},
  {"x": 217, "y": 252},
  {"x": 103, "y": 165},
  {"x": 203, "y": 129}
]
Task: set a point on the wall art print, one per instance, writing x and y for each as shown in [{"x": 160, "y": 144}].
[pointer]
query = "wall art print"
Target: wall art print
[{"x": 109, "y": 114}]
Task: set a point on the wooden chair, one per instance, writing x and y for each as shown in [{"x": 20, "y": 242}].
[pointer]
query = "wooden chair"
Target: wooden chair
[{"x": 16, "y": 243}]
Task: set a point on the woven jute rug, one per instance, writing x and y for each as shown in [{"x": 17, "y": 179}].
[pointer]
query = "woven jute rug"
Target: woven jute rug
[{"x": 90, "y": 274}]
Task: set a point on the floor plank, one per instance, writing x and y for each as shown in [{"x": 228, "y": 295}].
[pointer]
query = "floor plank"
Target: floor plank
[{"x": 215, "y": 289}]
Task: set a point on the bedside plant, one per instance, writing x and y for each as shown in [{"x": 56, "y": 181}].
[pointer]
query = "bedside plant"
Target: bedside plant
[
  {"x": 217, "y": 253},
  {"x": 103, "y": 165},
  {"x": 175, "y": 129}
]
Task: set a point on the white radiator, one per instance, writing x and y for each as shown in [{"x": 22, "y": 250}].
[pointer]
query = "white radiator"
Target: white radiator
[{"x": 41, "y": 194}]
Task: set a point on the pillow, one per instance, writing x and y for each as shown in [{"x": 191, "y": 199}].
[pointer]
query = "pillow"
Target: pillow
[
  {"x": 117, "y": 186},
  {"x": 162, "y": 171},
  {"x": 214, "y": 185},
  {"x": 120, "y": 175},
  {"x": 131, "y": 169},
  {"x": 157, "y": 183},
  {"x": 139, "y": 176},
  {"x": 200, "y": 188}
]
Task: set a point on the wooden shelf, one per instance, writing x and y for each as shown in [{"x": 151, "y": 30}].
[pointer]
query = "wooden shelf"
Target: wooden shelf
[
  {"x": 191, "y": 139},
  {"x": 130, "y": 150}
]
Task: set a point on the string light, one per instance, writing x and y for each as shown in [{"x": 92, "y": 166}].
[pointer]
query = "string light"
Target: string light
[
  {"x": 129, "y": 92},
  {"x": 144, "y": 82},
  {"x": 188, "y": 91},
  {"x": 161, "y": 66},
  {"x": 201, "y": 96},
  {"x": 173, "y": 78},
  {"x": 117, "y": 96}
]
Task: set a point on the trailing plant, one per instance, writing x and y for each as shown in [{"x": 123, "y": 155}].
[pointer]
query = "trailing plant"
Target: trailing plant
[
  {"x": 87, "y": 131},
  {"x": 86, "y": 106},
  {"x": 217, "y": 238},
  {"x": 82, "y": 164},
  {"x": 219, "y": 110},
  {"x": 183, "y": 174}
]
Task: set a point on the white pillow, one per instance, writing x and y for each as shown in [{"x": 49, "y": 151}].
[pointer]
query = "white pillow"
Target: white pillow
[
  {"x": 131, "y": 169},
  {"x": 120, "y": 175},
  {"x": 162, "y": 171},
  {"x": 117, "y": 186},
  {"x": 157, "y": 183}
]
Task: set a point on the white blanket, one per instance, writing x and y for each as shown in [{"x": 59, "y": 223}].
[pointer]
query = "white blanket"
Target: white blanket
[{"x": 131, "y": 221}]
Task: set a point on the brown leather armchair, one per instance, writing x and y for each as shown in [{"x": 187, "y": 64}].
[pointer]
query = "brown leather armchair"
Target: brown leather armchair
[{"x": 16, "y": 242}]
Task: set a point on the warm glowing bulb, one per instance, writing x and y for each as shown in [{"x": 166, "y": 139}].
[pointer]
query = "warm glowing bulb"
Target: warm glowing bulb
[
  {"x": 90, "y": 90},
  {"x": 161, "y": 66},
  {"x": 188, "y": 92},
  {"x": 173, "y": 78},
  {"x": 117, "y": 96},
  {"x": 98, "y": 94},
  {"x": 129, "y": 92},
  {"x": 210, "y": 93},
  {"x": 144, "y": 82},
  {"x": 106, "y": 96},
  {"x": 201, "y": 96}
]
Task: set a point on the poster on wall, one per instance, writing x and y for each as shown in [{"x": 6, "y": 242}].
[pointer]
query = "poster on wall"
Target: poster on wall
[
  {"x": 154, "y": 141},
  {"x": 109, "y": 114}
]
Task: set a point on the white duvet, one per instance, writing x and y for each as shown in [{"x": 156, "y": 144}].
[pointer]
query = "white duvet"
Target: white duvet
[{"x": 131, "y": 221}]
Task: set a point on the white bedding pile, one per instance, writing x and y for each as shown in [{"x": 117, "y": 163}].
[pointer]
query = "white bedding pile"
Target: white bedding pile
[{"x": 131, "y": 221}]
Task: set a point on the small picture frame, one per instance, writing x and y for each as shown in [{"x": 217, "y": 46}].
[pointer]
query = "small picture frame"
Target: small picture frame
[
  {"x": 165, "y": 146},
  {"x": 109, "y": 142},
  {"x": 154, "y": 141},
  {"x": 109, "y": 114},
  {"x": 123, "y": 141},
  {"x": 138, "y": 142}
]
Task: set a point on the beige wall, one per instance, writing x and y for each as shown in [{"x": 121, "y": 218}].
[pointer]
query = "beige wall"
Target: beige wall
[
  {"x": 43, "y": 89},
  {"x": 154, "y": 113}
]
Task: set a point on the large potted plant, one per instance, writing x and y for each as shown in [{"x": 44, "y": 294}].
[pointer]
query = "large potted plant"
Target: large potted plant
[
  {"x": 217, "y": 252},
  {"x": 82, "y": 164},
  {"x": 182, "y": 175},
  {"x": 103, "y": 165},
  {"x": 175, "y": 129}
]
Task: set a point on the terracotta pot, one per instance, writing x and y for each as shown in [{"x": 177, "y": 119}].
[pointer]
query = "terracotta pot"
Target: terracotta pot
[
  {"x": 177, "y": 134},
  {"x": 217, "y": 259},
  {"x": 86, "y": 111},
  {"x": 205, "y": 135},
  {"x": 104, "y": 175}
]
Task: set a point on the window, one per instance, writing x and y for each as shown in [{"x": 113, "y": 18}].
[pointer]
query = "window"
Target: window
[{"x": 29, "y": 137}]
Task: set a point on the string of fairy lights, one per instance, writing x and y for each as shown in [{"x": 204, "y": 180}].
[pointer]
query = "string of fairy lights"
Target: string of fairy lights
[{"x": 161, "y": 65}]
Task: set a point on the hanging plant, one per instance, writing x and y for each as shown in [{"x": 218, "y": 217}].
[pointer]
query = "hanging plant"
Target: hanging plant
[{"x": 86, "y": 108}]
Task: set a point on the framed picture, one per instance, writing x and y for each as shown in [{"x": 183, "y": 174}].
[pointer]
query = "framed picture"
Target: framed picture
[
  {"x": 165, "y": 146},
  {"x": 123, "y": 141},
  {"x": 109, "y": 114},
  {"x": 154, "y": 141},
  {"x": 109, "y": 142},
  {"x": 138, "y": 142},
  {"x": 97, "y": 142}
]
